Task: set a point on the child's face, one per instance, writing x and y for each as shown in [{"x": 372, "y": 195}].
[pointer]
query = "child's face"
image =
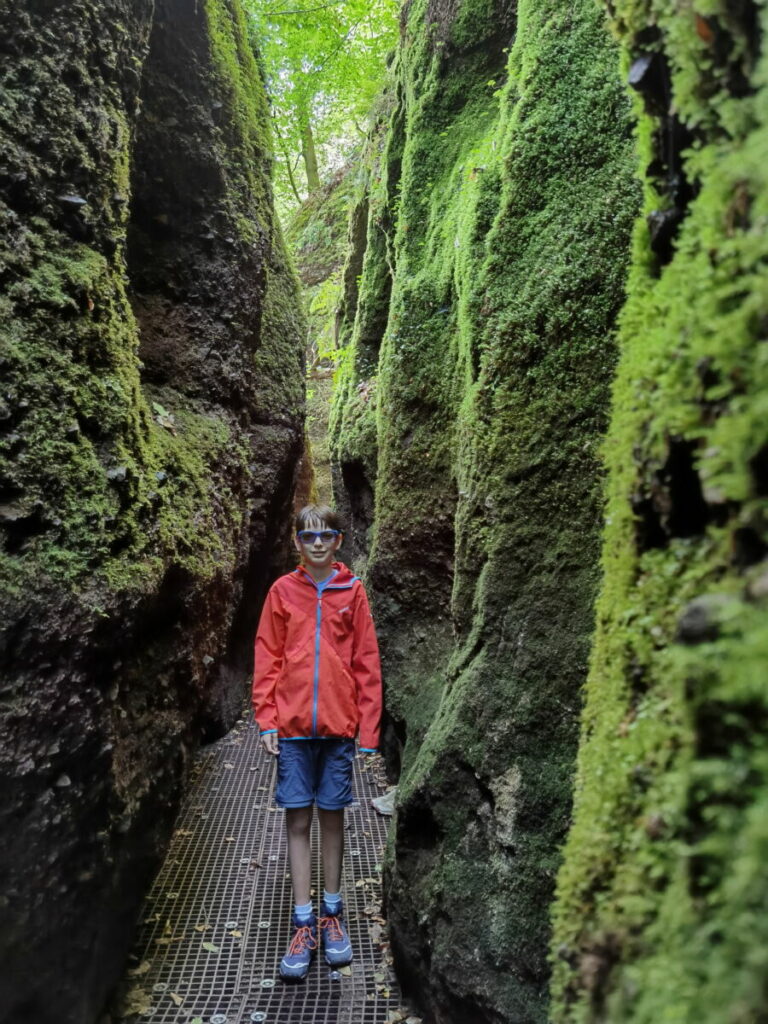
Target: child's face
[{"x": 316, "y": 551}]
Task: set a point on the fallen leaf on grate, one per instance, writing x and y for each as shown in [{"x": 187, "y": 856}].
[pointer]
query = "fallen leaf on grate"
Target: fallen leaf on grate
[
  {"x": 346, "y": 971},
  {"x": 177, "y": 999},
  {"x": 211, "y": 948},
  {"x": 228, "y": 764},
  {"x": 135, "y": 1000},
  {"x": 236, "y": 934},
  {"x": 202, "y": 927},
  {"x": 229, "y": 839}
]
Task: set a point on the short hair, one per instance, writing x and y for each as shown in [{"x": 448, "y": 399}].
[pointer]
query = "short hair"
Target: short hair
[{"x": 323, "y": 513}]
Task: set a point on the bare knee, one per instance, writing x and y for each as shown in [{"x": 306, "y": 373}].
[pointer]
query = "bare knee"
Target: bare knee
[
  {"x": 331, "y": 821},
  {"x": 298, "y": 821}
]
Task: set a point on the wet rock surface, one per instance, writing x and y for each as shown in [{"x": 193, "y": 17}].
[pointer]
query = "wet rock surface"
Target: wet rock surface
[
  {"x": 466, "y": 435},
  {"x": 151, "y": 353}
]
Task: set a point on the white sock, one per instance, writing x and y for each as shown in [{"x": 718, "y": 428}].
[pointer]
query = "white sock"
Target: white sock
[
  {"x": 331, "y": 899},
  {"x": 303, "y": 910}
]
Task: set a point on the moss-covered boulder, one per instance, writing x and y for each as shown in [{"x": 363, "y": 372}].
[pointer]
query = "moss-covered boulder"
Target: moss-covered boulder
[
  {"x": 474, "y": 401},
  {"x": 661, "y": 911},
  {"x": 151, "y": 354}
]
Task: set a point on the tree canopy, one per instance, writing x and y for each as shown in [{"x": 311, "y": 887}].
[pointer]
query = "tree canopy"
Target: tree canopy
[{"x": 324, "y": 64}]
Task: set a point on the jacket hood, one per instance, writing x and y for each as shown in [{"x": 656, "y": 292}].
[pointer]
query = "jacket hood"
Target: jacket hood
[{"x": 344, "y": 575}]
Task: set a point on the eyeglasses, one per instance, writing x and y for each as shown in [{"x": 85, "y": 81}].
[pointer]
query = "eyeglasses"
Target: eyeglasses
[{"x": 310, "y": 536}]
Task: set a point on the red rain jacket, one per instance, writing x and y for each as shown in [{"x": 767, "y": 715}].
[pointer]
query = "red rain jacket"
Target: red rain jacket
[{"x": 316, "y": 669}]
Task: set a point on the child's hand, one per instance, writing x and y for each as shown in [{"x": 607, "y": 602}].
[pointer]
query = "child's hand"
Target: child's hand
[{"x": 269, "y": 742}]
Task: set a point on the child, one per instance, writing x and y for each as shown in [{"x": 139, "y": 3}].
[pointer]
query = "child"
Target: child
[{"x": 316, "y": 684}]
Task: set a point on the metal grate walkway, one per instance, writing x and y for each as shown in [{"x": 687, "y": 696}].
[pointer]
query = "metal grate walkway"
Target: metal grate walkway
[{"x": 216, "y": 920}]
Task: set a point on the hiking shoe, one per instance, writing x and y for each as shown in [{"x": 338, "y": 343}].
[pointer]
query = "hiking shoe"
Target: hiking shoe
[
  {"x": 334, "y": 936},
  {"x": 295, "y": 964}
]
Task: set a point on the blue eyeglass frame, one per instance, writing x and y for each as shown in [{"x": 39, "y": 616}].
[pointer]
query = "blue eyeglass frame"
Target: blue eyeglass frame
[{"x": 305, "y": 535}]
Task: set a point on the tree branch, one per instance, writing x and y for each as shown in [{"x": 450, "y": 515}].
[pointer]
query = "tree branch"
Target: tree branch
[{"x": 305, "y": 10}]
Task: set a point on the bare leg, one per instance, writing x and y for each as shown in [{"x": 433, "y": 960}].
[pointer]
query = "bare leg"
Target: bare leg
[
  {"x": 298, "y": 821},
  {"x": 332, "y": 846}
]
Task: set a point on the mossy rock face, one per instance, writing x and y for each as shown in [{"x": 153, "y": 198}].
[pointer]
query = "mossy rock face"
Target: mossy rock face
[
  {"x": 661, "y": 902},
  {"x": 150, "y": 418},
  {"x": 317, "y": 236},
  {"x": 499, "y": 218}
]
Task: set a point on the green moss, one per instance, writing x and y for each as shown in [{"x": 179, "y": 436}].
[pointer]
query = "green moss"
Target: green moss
[
  {"x": 109, "y": 481},
  {"x": 246, "y": 127},
  {"x": 659, "y": 898},
  {"x": 499, "y": 217}
]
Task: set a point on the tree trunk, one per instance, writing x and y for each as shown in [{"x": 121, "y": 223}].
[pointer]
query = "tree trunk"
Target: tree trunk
[{"x": 310, "y": 157}]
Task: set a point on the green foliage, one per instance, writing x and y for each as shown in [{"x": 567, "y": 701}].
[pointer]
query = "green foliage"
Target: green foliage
[{"x": 324, "y": 66}]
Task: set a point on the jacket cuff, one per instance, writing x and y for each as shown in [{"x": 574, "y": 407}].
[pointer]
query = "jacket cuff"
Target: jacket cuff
[
  {"x": 368, "y": 750},
  {"x": 265, "y": 731}
]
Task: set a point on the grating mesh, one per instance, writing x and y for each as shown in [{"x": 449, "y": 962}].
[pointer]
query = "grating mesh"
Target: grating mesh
[{"x": 217, "y": 918}]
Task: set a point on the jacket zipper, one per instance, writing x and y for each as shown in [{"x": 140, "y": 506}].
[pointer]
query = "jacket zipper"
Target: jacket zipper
[
  {"x": 317, "y": 663},
  {"x": 316, "y": 682}
]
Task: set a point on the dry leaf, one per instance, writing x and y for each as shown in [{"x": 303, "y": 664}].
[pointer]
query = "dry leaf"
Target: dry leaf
[
  {"x": 346, "y": 970},
  {"x": 177, "y": 999},
  {"x": 229, "y": 839},
  {"x": 135, "y": 1000},
  {"x": 236, "y": 934},
  {"x": 202, "y": 927},
  {"x": 211, "y": 948},
  {"x": 704, "y": 29}
]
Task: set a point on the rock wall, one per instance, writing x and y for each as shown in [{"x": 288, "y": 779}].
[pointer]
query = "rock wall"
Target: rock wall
[
  {"x": 466, "y": 432},
  {"x": 316, "y": 237},
  {"x": 661, "y": 897},
  {"x": 151, "y": 346}
]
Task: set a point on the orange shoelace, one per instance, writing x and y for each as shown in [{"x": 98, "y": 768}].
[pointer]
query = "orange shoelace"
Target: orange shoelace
[
  {"x": 334, "y": 928},
  {"x": 303, "y": 939}
]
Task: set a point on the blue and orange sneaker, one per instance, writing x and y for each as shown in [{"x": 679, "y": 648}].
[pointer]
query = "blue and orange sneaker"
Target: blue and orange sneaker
[
  {"x": 334, "y": 935},
  {"x": 295, "y": 964}
]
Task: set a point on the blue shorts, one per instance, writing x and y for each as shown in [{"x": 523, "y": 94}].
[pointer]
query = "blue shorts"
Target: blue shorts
[{"x": 315, "y": 771}]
